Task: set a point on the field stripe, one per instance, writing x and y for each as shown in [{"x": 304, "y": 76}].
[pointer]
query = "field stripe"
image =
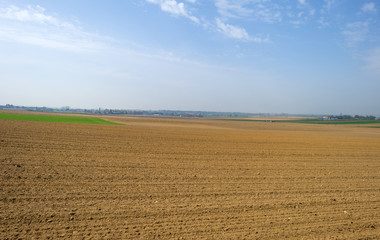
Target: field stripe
[{"x": 55, "y": 118}]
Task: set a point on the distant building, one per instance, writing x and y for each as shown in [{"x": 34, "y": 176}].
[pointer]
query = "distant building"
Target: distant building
[{"x": 325, "y": 118}]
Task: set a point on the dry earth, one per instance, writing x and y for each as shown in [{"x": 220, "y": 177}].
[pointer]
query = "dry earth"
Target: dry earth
[{"x": 188, "y": 179}]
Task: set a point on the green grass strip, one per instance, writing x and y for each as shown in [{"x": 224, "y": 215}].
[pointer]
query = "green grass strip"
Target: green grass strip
[
  {"x": 308, "y": 121},
  {"x": 56, "y": 119},
  {"x": 340, "y": 122}
]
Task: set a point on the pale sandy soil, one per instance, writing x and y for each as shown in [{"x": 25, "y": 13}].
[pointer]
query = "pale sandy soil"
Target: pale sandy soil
[{"x": 188, "y": 179}]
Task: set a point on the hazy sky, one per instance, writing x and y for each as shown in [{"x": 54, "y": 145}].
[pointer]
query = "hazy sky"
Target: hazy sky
[{"x": 285, "y": 56}]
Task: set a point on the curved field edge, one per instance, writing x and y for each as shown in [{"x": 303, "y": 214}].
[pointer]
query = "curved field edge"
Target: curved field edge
[{"x": 56, "y": 119}]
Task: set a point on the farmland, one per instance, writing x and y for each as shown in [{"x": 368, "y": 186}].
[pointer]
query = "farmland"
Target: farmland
[
  {"x": 54, "y": 118},
  {"x": 306, "y": 121},
  {"x": 161, "y": 178}
]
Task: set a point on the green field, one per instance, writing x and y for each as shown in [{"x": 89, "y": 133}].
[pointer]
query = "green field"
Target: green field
[
  {"x": 311, "y": 121},
  {"x": 343, "y": 121},
  {"x": 55, "y": 118}
]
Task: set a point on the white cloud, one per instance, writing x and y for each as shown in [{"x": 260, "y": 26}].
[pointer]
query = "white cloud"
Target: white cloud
[
  {"x": 323, "y": 22},
  {"x": 356, "y": 32},
  {"x": 260, "y": 10},
  {"x": 368, "y": 7},
  {"x": 303, "y": 2},
  {"x": 329, "y": 4},
  {"x": 268, "y": 15},
  {"x": 232, "y": 9},
  {"x": 232, "y": 31},
  {"x": 237, "y": 32},
  {"x": 175, "y": 8},
  {"x": 33, "y": 26},
  {"x": 30, "y": 14},
  {"x": 304, "y": 14}
]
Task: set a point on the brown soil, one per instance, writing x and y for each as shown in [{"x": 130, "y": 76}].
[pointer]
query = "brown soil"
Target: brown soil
[{"x": 188, "y": 179}]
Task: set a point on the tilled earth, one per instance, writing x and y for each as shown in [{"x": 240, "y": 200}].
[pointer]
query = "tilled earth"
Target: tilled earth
[{"x": 188, "y": 179}]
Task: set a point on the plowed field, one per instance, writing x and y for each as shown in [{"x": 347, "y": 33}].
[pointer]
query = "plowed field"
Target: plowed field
[{"x": 188, "y": 179}]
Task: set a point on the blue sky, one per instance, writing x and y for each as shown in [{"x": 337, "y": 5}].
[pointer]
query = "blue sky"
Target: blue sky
[{"x": 287, "y": 56}]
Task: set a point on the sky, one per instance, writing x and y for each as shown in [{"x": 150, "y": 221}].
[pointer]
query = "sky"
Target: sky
[{"x": 257, "y": 56}]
